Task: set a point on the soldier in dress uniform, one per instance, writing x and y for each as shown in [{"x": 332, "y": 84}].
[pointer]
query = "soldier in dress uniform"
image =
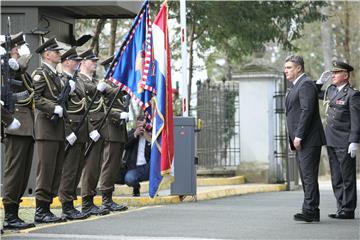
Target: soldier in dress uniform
[
  {"x": 115, "y": 140},
  {"x": 177, "y": 105},
  {"x": 49, "y": 134},
  {"x": 342, "y": 135},
  {"x": 19, "y": 141},
  {"x": 91, "y": 171},
  {"x": 74, "y": 160}
]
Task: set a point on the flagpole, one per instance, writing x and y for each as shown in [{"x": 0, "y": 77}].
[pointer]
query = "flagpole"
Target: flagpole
[{"x": 184, "y": 57}]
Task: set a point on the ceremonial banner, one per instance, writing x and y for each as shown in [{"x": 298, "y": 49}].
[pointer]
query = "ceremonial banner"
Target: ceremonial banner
[{"x": 162, "y": 146}]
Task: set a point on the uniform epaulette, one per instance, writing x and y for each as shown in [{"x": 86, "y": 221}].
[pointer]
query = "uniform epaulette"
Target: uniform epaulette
[{"x": 36, "y": 72}]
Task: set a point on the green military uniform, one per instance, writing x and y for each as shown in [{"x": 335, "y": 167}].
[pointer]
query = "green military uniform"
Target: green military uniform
[
  {"x": 91, "y": 170},
  {"x": 49, "y": 136},
  {"x": 115, "y": 140},
  {"x": 74, "y": 158},
  {"x": 19, "y": 144}
]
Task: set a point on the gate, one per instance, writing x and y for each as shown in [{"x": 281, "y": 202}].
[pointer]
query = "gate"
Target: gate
[{"x": 218, "y": 144}]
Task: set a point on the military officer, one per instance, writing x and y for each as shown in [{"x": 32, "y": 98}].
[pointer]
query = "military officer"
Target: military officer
[
  {"x": 115, "y": 140},
  {"x": 91, "y": 171},
  {"x": 343, "y": 135},
  {"x": 19, "y": 141},
  {"x": 74, "y": 161},
  {"x": 49, "y": 130}
]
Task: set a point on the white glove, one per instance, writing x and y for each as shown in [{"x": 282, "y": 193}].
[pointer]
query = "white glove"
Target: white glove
[
  {"x": 101, "y": 86},
  {"x": 94, "y": 135},
  {"x": 13, "y": 64},
  {"x": 15, "y": 124},
  {"x": 325, "y": 76},
  {"x": 59, "y": 110},
  {"x": 71, "y": 138},
  {"x": 72, "y": 85},
  {"x": 353, "y": 147},
  {"x": 2, "y": 51},
  {"x": 125, "y": 116}
]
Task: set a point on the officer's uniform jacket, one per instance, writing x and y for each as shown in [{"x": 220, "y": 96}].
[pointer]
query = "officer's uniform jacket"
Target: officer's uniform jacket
[
  {"x": 97, "y": 110},
  {"x": 47, "y": 87},
  {"x": 343, "y": 116},
  {"x": 76, "y": 107},
  {"x": 116, "y": 128},
  {"x": 23, "y": 107}
]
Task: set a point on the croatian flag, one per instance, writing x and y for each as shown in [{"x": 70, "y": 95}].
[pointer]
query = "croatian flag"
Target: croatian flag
[
  {"x": 130, "y": 67},
  {"x": 162, "y": 144}
]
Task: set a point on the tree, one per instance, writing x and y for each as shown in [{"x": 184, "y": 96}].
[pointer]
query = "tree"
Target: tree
[{"x": 238, "y": 28}]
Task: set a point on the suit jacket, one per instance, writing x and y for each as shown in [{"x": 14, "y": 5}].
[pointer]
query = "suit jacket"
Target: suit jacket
[
  {"x": 302, "y": 114},
  {"x": 47, "y": 87},
  {"x": 131, "y": 149},
  {"x": 343, "y": 116}
]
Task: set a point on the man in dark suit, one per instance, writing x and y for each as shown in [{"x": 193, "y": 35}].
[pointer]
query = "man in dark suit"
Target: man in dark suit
[
  {"x": 137, "y": 156},
  {"x": 342, "y": 136},
  {"x": 306, "y": 134}
]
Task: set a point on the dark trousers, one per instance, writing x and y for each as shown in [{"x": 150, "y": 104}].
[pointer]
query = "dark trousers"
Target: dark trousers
[
  {"x": 51, "y": 160},
  {"x": 71, "y": 173},
  {"x": 308, "y": 161},
  {"x": 18, "y": 158},
  {"x": 111, "y": 165},
  {"x": 91, "y": 171},
  {"x": 343, "y": 178},
  {"x": 133, "y": 177}
]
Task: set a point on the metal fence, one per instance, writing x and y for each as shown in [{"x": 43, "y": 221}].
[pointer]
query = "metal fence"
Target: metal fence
[{"x": 218, "y": 143}]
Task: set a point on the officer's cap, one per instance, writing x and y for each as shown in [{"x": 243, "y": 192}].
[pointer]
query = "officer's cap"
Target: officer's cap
[
  {"x": 16, "y": 40},
  {"x": 70, "y": 54},
  {"x": 107, "y": 61},
  {"x": 89, "y": 55},
  {"x": 49, "y": 45},
  {"x": 341, "y": 66}
]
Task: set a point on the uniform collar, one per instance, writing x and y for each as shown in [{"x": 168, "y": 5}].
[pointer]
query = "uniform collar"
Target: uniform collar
[{"x": 50, "y": 67}]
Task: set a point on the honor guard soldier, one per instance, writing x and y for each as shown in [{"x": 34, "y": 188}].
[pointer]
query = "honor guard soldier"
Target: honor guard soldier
[
  {"x": 342, "y": 135},
  {"x": 74, "y": 160},
  {"x": 49, "y": 130},
  {"x": 91, "y": 171},
  {"x": 115, "y": 140},
  {"x": 19, "y": 141}
]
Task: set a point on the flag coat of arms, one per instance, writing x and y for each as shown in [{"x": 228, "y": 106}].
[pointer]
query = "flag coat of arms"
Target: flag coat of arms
[
  {"x": 130, "y": 67},
  {"x": 162, "y": 145}
]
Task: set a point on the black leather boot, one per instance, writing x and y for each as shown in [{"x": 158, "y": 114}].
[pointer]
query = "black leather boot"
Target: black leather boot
[
  {"x": 71, "y": 213},
  {"x": 12, "y": 220},
  {"x": 43, "y": 214},
  {"x": 109, "y": 204},
  {"x": 89, "y": 208}
]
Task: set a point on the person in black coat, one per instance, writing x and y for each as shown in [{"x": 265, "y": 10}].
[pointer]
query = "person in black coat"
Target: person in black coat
[
  {"x": 137, "y": 156},
  {"x": 306, "y": 134},
  {"x": 343, "y": 136}
]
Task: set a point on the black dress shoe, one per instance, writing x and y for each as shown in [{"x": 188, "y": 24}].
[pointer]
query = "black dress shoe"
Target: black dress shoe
[
  {"x": 342, "y": 215},
  {"x": 136, "y": 192},
  {"x": 307, "y": 217}
]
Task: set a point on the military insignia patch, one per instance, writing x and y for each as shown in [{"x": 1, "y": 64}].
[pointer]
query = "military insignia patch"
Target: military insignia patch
[{"x": 36, "y": 77}]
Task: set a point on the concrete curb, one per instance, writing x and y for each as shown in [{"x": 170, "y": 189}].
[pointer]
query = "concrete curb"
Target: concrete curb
[
  {"x": 125, "y": 190},
  {"x": 204, "y": 194}
]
